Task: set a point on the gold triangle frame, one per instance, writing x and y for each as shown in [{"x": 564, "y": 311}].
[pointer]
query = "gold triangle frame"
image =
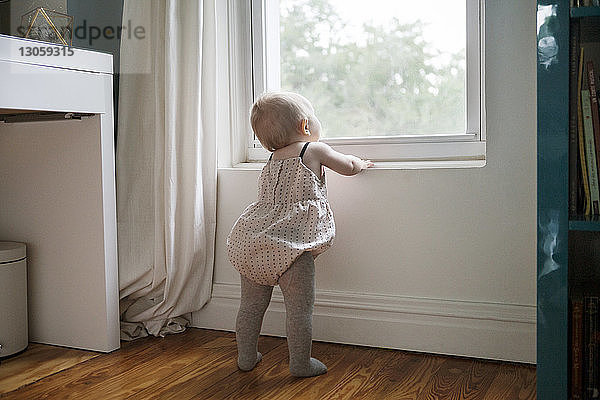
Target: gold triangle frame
[{"x": 42, "y": 11}]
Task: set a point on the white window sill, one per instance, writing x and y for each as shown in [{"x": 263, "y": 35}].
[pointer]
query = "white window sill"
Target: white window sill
[
  {"x": 412, "y": 154},
  {"x": 405, "y": 153},
  {"x": 390, "y": 165}
]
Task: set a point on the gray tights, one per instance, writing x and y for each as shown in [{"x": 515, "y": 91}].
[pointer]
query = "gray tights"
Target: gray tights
[{"x": 298, "y": 287}]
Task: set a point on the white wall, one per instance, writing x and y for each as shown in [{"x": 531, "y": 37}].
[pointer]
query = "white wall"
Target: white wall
[{"x": 438, "y": 260}]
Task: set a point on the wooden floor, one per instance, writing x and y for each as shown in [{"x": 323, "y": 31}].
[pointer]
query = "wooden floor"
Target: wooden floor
[{"x": 201, "y": 364}]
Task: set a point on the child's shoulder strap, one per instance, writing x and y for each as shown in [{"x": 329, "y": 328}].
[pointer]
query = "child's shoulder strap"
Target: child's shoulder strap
[{"x": 304, "y": 149}]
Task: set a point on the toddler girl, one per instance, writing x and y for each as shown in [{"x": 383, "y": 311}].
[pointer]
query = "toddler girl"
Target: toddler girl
[{"x": 275, "y": 240}]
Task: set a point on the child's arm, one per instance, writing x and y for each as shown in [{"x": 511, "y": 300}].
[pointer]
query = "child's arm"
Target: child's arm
[{"x": 344, "y": 164}]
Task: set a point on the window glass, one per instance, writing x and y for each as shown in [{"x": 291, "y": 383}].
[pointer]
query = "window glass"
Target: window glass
[{"x": 377, "y": 67}]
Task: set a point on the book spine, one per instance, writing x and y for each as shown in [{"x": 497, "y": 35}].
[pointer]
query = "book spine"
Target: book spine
[
  {"x": 590, "y": 151},
  {"x": 594, "y": 105},
  {"x": 582, "y": 158},
  {"x": 591, "y": 351},
  {"x": 573, "y": 134},
  {"x": 576, "y": 350},
  {"x": 595, "y": 391},
  {"x": 595, "y": 394}
]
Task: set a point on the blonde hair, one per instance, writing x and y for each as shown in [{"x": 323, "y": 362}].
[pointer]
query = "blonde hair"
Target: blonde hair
[{"x": 276, "y": 116}]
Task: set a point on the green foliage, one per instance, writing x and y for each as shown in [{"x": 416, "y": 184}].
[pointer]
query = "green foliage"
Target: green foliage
[{"x": 388, "y": 85}]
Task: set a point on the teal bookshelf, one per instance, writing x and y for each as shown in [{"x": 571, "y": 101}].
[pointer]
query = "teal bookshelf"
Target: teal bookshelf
[
  {"x": 589, "y": 224},
  {"x": 554, "y": 224},
  {"x": 553, "y": 202},
  {"x": 580, "y": 12}
]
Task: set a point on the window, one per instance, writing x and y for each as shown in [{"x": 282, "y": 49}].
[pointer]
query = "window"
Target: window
[{"x": 390, "y": 80}]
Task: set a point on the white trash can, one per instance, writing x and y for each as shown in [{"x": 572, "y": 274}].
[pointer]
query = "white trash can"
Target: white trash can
[{"x": 14, "y": 336}]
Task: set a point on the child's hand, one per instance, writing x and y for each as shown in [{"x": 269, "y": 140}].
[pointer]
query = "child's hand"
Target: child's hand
[
  {"x": 367, "y": 164},
  {"x": 361, "y": 164}
]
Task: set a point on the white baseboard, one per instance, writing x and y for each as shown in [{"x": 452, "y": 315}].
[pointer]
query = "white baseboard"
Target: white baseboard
[{"x": 463, "y": 328}]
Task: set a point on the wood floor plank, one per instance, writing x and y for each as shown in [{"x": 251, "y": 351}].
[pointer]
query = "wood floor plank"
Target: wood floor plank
[
  {"x": 396, "y": 366},
  {"x": 474, "y": 378},
  {"x": 209, "y": 371},
  {"x": 143, "y": 375},
  {"x": 412, "y": 378},
  {"x": 81, "y": 381},
  {"x": 339, "y": 360},
  {"x": 41, "y": 361},
  {"x": 445, "y": 378},
  {"x": 251, "y": 384},
  {"x": 513, "y": 382},
  {"x": 201, "y": 364},
  {"x": 460, "y": 379},
  {"x": 476, "y": 381},
  {"x": 281, "y": 385},
  {"x": 358, "y": 379}
]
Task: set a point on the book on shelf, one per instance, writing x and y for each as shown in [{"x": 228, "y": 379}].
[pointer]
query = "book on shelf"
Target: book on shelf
[
  {"x": 584, "y": 357},
  {"x": 591, "y": 124},
  {"x": 581, "y": 141},
  {"x": 578, "y": 183},
  {"x": 590, "y": 376},
  {"x": 574, "y": 181},
  {"x": 576, "y": 327},
  {"x": 576, "y": 349},
  {"x": 590, "y": 150},
  {"x": 594, "y": 104},
  {"x": 584, "y": 3},
  {"x": 584, "y": 126}
]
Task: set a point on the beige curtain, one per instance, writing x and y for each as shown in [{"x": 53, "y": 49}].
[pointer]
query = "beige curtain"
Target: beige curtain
[{"x": 166, "y": 164}]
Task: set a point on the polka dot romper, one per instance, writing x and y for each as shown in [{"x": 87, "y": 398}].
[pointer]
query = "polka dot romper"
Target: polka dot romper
[{"x": 292, "y": 215}]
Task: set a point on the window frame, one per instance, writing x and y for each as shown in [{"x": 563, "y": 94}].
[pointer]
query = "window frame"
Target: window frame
[{"x": 265, "y": 75}]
